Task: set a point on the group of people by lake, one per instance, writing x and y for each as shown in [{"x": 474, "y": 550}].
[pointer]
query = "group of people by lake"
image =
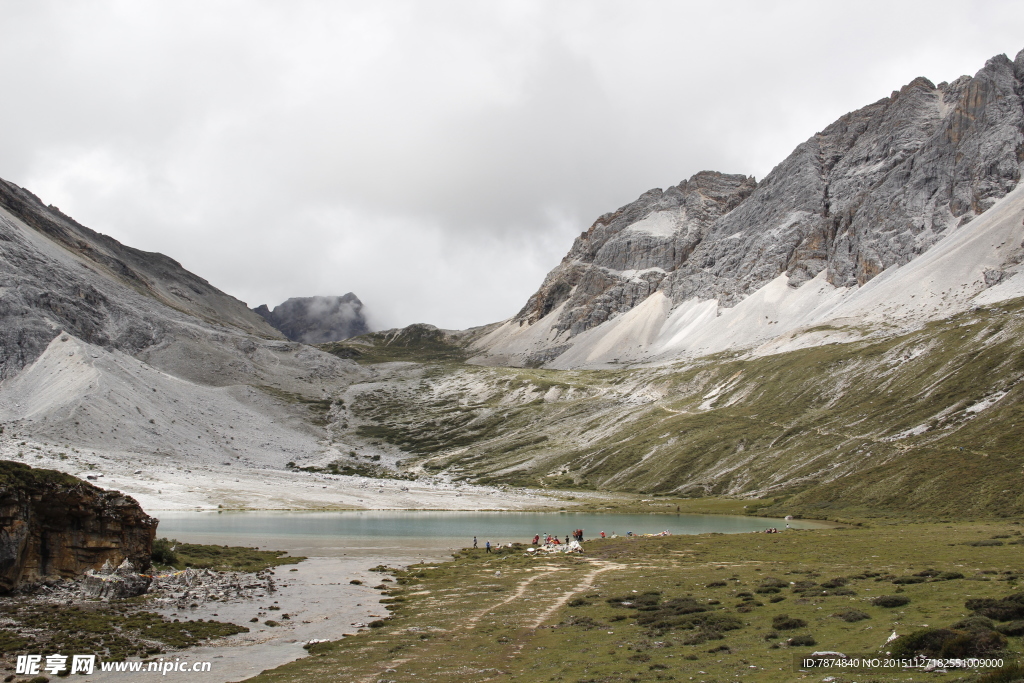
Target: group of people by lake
[
  {"x": 548, "y": 540},
  {"x": 539, "y": 539}
]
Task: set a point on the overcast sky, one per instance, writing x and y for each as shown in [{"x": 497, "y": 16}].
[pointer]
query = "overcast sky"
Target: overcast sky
[{"x": 436, "y": 158}]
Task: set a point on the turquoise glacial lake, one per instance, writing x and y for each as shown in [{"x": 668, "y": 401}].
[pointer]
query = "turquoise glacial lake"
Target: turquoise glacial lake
[{"x": 394, "y": 531}]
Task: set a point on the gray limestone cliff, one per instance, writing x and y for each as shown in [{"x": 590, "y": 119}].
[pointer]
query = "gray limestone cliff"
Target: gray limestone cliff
[
  {"x": 317, "y": 319},
  {"x": 874, "y": 189}
]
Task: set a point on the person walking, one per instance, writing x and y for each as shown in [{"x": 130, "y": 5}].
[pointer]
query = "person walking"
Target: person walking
[
  {"x": 488, "y": 546},
  {"x": 474, "y": 541}
]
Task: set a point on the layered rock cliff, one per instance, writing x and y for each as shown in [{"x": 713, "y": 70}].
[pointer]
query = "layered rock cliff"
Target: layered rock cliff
[
  {"x": 317, "y": 319},
  {"x": 874, "y": 190},
  {"x": 54, "y": 525}
]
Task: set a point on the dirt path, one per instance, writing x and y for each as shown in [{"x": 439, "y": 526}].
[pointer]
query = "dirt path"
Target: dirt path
[
  {"x": 517, "y": 595},
  {"x": 537, "y": 596},
  {"x": 585, "y": 584}
]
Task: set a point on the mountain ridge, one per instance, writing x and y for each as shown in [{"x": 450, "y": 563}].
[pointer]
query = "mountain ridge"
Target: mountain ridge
[{"x": 872, "y": 191}]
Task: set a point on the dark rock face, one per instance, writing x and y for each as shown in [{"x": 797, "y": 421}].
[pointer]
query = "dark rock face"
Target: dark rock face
[
  {"x": 875, "y": 189},
  {"x": 318, "y": 319},
  {"x": 53, "y": 525}
]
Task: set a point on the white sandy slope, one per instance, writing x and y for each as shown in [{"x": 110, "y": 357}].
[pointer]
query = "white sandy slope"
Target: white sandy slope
[
  {"x": 160, "y": 482},
  {"x": 175, "y": 444},
  {"x": 947, "y": 279},
  {"x": 96, "y": 398}
]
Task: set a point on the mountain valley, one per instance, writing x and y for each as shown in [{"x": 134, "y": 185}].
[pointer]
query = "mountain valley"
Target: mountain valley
[{"x": 843, "y": 337}]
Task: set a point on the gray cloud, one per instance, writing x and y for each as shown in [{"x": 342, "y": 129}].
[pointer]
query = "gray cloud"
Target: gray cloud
[{"x": 435, "y": 158}]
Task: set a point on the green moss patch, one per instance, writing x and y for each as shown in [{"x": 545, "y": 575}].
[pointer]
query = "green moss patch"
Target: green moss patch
[
  {"x": 216, "y": 557},
  {"x": 112, "y": 630}
]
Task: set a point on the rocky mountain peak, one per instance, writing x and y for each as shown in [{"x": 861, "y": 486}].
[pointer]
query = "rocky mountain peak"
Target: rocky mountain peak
[
  {"x": 625, "y": 254},
  {"x": 875, "y": 189},
  {"x": 317, "y": 319}
]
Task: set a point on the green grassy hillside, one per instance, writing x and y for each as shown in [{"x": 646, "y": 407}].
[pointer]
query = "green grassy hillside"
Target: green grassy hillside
[{"x": 927, "y": 423}]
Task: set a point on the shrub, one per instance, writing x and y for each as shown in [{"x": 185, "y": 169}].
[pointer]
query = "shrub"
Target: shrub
[
  {"x": 902, "y": 580},
  {"x": 686, "y": 613},
  {"x": 891, "y": 601},
  {"x": 1011, "y": 673},
  {"x": 804, "y": 639},
  {"x": 949, "y": 576},
  {"x": 973, "y": 624},
  {"x": 837, "y": 582},
  {"x": 585, "y": 623},
  {"x": 772, "y": 582},
  {"x": 356, "y": 582},
  {"x": 783, "y": 622},
  {"x": 377, "y": 623},
  {"x": 641, "y": 602},
  {"x": 984, "y": 542},
  {"x": 1014, "y": 628},
  {"x": 717, "y": 584},
  {"x": 1004, "y": 609},
  {"x": 162, "y": 553},
  {"x": 949, "y": 643},
  {"x": 852, "y": 615},
  {"x": 578, "y": 602}
]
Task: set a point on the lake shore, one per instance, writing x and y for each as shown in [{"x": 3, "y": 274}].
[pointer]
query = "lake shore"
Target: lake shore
[{"x": 713, "y": 606}]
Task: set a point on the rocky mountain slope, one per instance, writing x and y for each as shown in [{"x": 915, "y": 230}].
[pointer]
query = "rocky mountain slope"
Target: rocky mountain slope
[
  {"x": 868, "y": 195},
  {"x": 58, "y": 275},
  {"x": 125, "y": 353},
  {"x": 317, "y": 319}
]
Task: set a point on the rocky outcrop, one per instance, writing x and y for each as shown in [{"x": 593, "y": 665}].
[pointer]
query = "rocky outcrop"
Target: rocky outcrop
[
  {"x": 875, "y": 189},
  {"x": 54, "y": 525},
  {"x": 317, "y": 319}
]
